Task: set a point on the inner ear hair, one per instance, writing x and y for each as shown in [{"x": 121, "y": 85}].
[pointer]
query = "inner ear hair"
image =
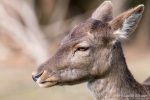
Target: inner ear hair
[{"x": 126, "y": 23}]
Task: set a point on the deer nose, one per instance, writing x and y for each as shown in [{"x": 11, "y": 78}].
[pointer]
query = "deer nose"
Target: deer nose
[{"x": 36, "y": 76}]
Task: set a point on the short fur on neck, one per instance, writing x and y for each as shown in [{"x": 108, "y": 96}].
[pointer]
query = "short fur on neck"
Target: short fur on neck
[{"x": 119, "y": 83}]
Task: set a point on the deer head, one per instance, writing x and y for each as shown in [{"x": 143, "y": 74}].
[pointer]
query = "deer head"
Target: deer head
[{"x": 86, "y": 52}]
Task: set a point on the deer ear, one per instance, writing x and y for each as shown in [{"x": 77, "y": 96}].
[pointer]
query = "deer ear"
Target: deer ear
[
  {"x": 126, "y": 23},
  {"x": 103, "y": 12}
]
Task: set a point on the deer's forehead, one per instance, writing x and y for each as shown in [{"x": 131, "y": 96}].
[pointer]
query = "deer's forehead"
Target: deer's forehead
[
  {"x": 87, "y": 30},
  {"x": 70, "y": 43}
]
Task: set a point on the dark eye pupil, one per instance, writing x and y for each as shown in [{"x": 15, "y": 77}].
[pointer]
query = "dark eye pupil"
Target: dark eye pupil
[{"x": 82, "y": 48}]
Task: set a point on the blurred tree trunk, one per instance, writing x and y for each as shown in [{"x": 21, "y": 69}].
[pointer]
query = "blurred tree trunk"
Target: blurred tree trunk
[
  {"x": 20, "y": 33},
  {"x": 44, "y": 9},
  {"x": 51, "y": 10}
]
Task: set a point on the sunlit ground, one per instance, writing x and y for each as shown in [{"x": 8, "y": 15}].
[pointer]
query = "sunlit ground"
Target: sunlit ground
[{"x": 16, "y": 83}]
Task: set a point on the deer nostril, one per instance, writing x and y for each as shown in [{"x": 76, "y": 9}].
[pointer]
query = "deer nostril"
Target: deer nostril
[{"x": 35, "y": 77}]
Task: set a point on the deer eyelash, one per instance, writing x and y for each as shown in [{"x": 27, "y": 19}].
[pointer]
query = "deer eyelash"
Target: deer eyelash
[{"x": 82, "y": 48}]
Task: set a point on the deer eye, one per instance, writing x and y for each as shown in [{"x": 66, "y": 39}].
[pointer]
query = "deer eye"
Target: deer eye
[{"x": 82, "y": 48}]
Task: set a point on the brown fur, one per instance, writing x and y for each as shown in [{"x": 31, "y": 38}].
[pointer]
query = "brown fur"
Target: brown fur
[{"x": 92, "y": 53}]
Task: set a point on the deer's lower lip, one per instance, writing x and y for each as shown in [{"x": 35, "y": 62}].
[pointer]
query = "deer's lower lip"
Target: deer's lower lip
[{"x": 47, "y": 84}]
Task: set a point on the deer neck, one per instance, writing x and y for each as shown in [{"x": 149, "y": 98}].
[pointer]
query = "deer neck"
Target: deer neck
[{"x": 118, "y": 83}]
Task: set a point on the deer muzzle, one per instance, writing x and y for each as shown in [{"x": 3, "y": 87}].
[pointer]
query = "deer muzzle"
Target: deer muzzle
[{"x": 45, "y": 79}]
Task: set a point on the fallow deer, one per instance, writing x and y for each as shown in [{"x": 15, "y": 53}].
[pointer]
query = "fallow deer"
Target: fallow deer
[{"x": 92, "y": 53}]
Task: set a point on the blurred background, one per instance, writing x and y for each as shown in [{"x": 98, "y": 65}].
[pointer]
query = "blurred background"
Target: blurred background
[{"x": 31, "y": 30}]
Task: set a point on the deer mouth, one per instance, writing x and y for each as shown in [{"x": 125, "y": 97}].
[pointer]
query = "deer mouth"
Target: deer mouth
[{"x": 49, "y": 82}]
